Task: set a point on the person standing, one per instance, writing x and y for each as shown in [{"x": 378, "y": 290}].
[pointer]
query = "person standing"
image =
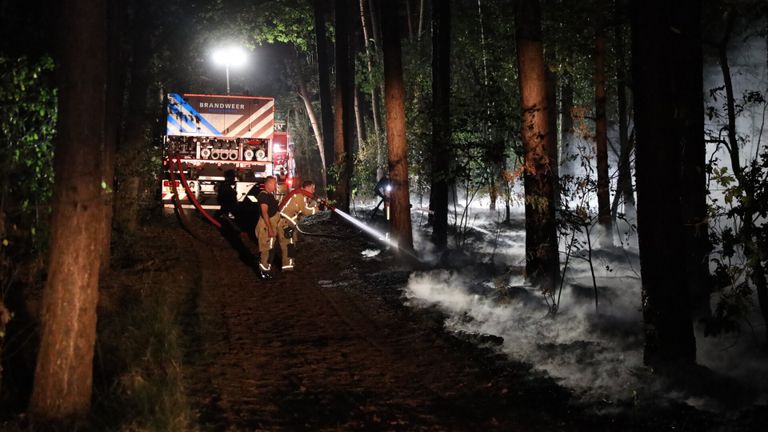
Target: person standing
[{"x": 266, "y": 227}]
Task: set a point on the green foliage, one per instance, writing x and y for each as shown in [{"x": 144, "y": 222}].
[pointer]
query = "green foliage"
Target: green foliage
[
  {"x": 27, "y": 126},
  {"x": 738, "y": 229}
]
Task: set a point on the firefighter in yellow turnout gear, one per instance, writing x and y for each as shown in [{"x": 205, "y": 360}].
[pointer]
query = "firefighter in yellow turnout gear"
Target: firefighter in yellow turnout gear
[
  {"x": 266, "y": 227},
  {"x": 298, "y": 203}
]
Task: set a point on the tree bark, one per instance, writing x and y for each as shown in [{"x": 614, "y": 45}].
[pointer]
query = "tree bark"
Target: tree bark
[
  {"x": 441, "y": 122},
  {"x": 394, "y": 95},
  {"x": 542, "y": 260},
  {"x": 663, "y": 114},
  {"x": 64, "y": 370},
  {"x": 601, "y": 134},
  {"x": 324, "y": 74},
  {"x": 345, "y": 100}
]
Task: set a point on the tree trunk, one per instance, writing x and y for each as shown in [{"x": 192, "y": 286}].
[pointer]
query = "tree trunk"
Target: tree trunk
[
  {"x": 134, "y": 142},
  {"x": 601, "y": 135},
  {"x": 113, "y": 117},
  {"x": 542, "y": 260},
  {"x": 409, "y": 19},
  {"x": 554, "y": 155},
  {"x": 374, "y": 94},
  {"x": 394, "y": 95},
  {"x": 359, "y": 125},
  {"x": 421, "y": 20},
  {"x": 345, "y": 100},
  {"x": 305, "y": 98},
  {"x": 659, "y": 35},
  {"x": 624, "y": 183},
  {"x": 566, "y": 121},
  {"x": 441, "y": 122},
  {"x": 324, "y": 78},
  {"x": 64, "y": 370}
]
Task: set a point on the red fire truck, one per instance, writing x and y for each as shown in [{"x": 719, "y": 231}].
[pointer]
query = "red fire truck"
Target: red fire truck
[{"x": 209, "y": 135}]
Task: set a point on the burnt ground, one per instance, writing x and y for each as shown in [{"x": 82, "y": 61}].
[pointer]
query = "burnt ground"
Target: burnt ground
[{"x": 332, "y": 346}]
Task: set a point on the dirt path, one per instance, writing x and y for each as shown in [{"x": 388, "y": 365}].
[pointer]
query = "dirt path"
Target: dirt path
[{"x": 330, "y": 347}]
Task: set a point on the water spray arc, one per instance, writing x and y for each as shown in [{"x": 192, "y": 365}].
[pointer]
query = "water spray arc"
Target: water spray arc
[{"x": 378, "y": 235}]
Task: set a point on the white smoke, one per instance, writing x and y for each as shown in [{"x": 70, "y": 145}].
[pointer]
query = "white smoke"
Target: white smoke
[{"x": 599, "y": 356}]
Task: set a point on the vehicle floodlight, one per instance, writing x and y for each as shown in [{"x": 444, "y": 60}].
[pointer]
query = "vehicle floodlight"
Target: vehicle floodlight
[{"x": 229, "y": 56}]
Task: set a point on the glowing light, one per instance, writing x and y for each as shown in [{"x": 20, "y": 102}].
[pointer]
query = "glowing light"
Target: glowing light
[
  {"x": 230, "y": 56},
  {"x": 389, "y": 188}
]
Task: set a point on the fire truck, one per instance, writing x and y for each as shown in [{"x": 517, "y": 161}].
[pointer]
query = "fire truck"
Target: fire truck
[{"x": 208, "y": 135}]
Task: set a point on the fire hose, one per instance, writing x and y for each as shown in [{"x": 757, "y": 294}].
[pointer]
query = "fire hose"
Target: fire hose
[
  {"x": 192, "y": 197},
  {"x": 176, "y": 202}
]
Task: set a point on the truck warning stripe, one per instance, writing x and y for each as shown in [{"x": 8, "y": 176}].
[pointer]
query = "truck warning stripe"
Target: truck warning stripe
[
  {"x": 191, "y": 111},
  {"x": 263, "y": 129},
  {"x": 248, "y": 121}
]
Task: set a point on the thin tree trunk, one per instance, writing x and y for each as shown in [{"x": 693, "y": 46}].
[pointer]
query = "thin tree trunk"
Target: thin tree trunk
[
  {"x": 345, "y": 112},
  {"x": 398, "y": 148},
  {"x": 359, "y": 124},
  {"x": 134, "y": 142},
  {"x": 63, "y": 374},
  {"x": 601, "y": 134},
  {"x": 421, "y": 19},
  {"x": 409, "y": 19},
  {"x": 659, "y": 33},
  {"x": 324, "y": 74},
  {"x": 542, "y": 260},
  {"x": 554, "y": 156},
  {"x": 441, "y": 122},
  {"x": 566, "y": 125},
  {"x": 304, "y": 95},
  {"x": 113, "y": 115},
  {"x": 374, "y": 94},
  {"x": 625, "y": 189}
]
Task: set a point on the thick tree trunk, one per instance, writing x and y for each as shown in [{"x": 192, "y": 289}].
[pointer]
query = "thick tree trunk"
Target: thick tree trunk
[
  {"x": 661, "y": 36},
  {"x": 441, "y": 122},
  {"x": 694, "y": 154},
  {"x": 601, "y": 135},
  {"x": 394, "y": 95},
  {"x": 64, "y": 370},
  {"x": 542, "y": 260},
  {"x": 345, "y": 100},
  {"x": 324, "y": 79}
]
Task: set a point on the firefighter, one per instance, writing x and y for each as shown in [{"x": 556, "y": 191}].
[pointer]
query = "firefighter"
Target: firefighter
[
  {"x": 382, "y": 189},
  {"x": 266, "y": 227},
  {"x": 300, "y": 202}
]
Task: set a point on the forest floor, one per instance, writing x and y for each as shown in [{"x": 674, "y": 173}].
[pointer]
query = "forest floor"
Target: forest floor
[
  {"x": 190, "y": 339},
  {"x": 333, "y": 346}
]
